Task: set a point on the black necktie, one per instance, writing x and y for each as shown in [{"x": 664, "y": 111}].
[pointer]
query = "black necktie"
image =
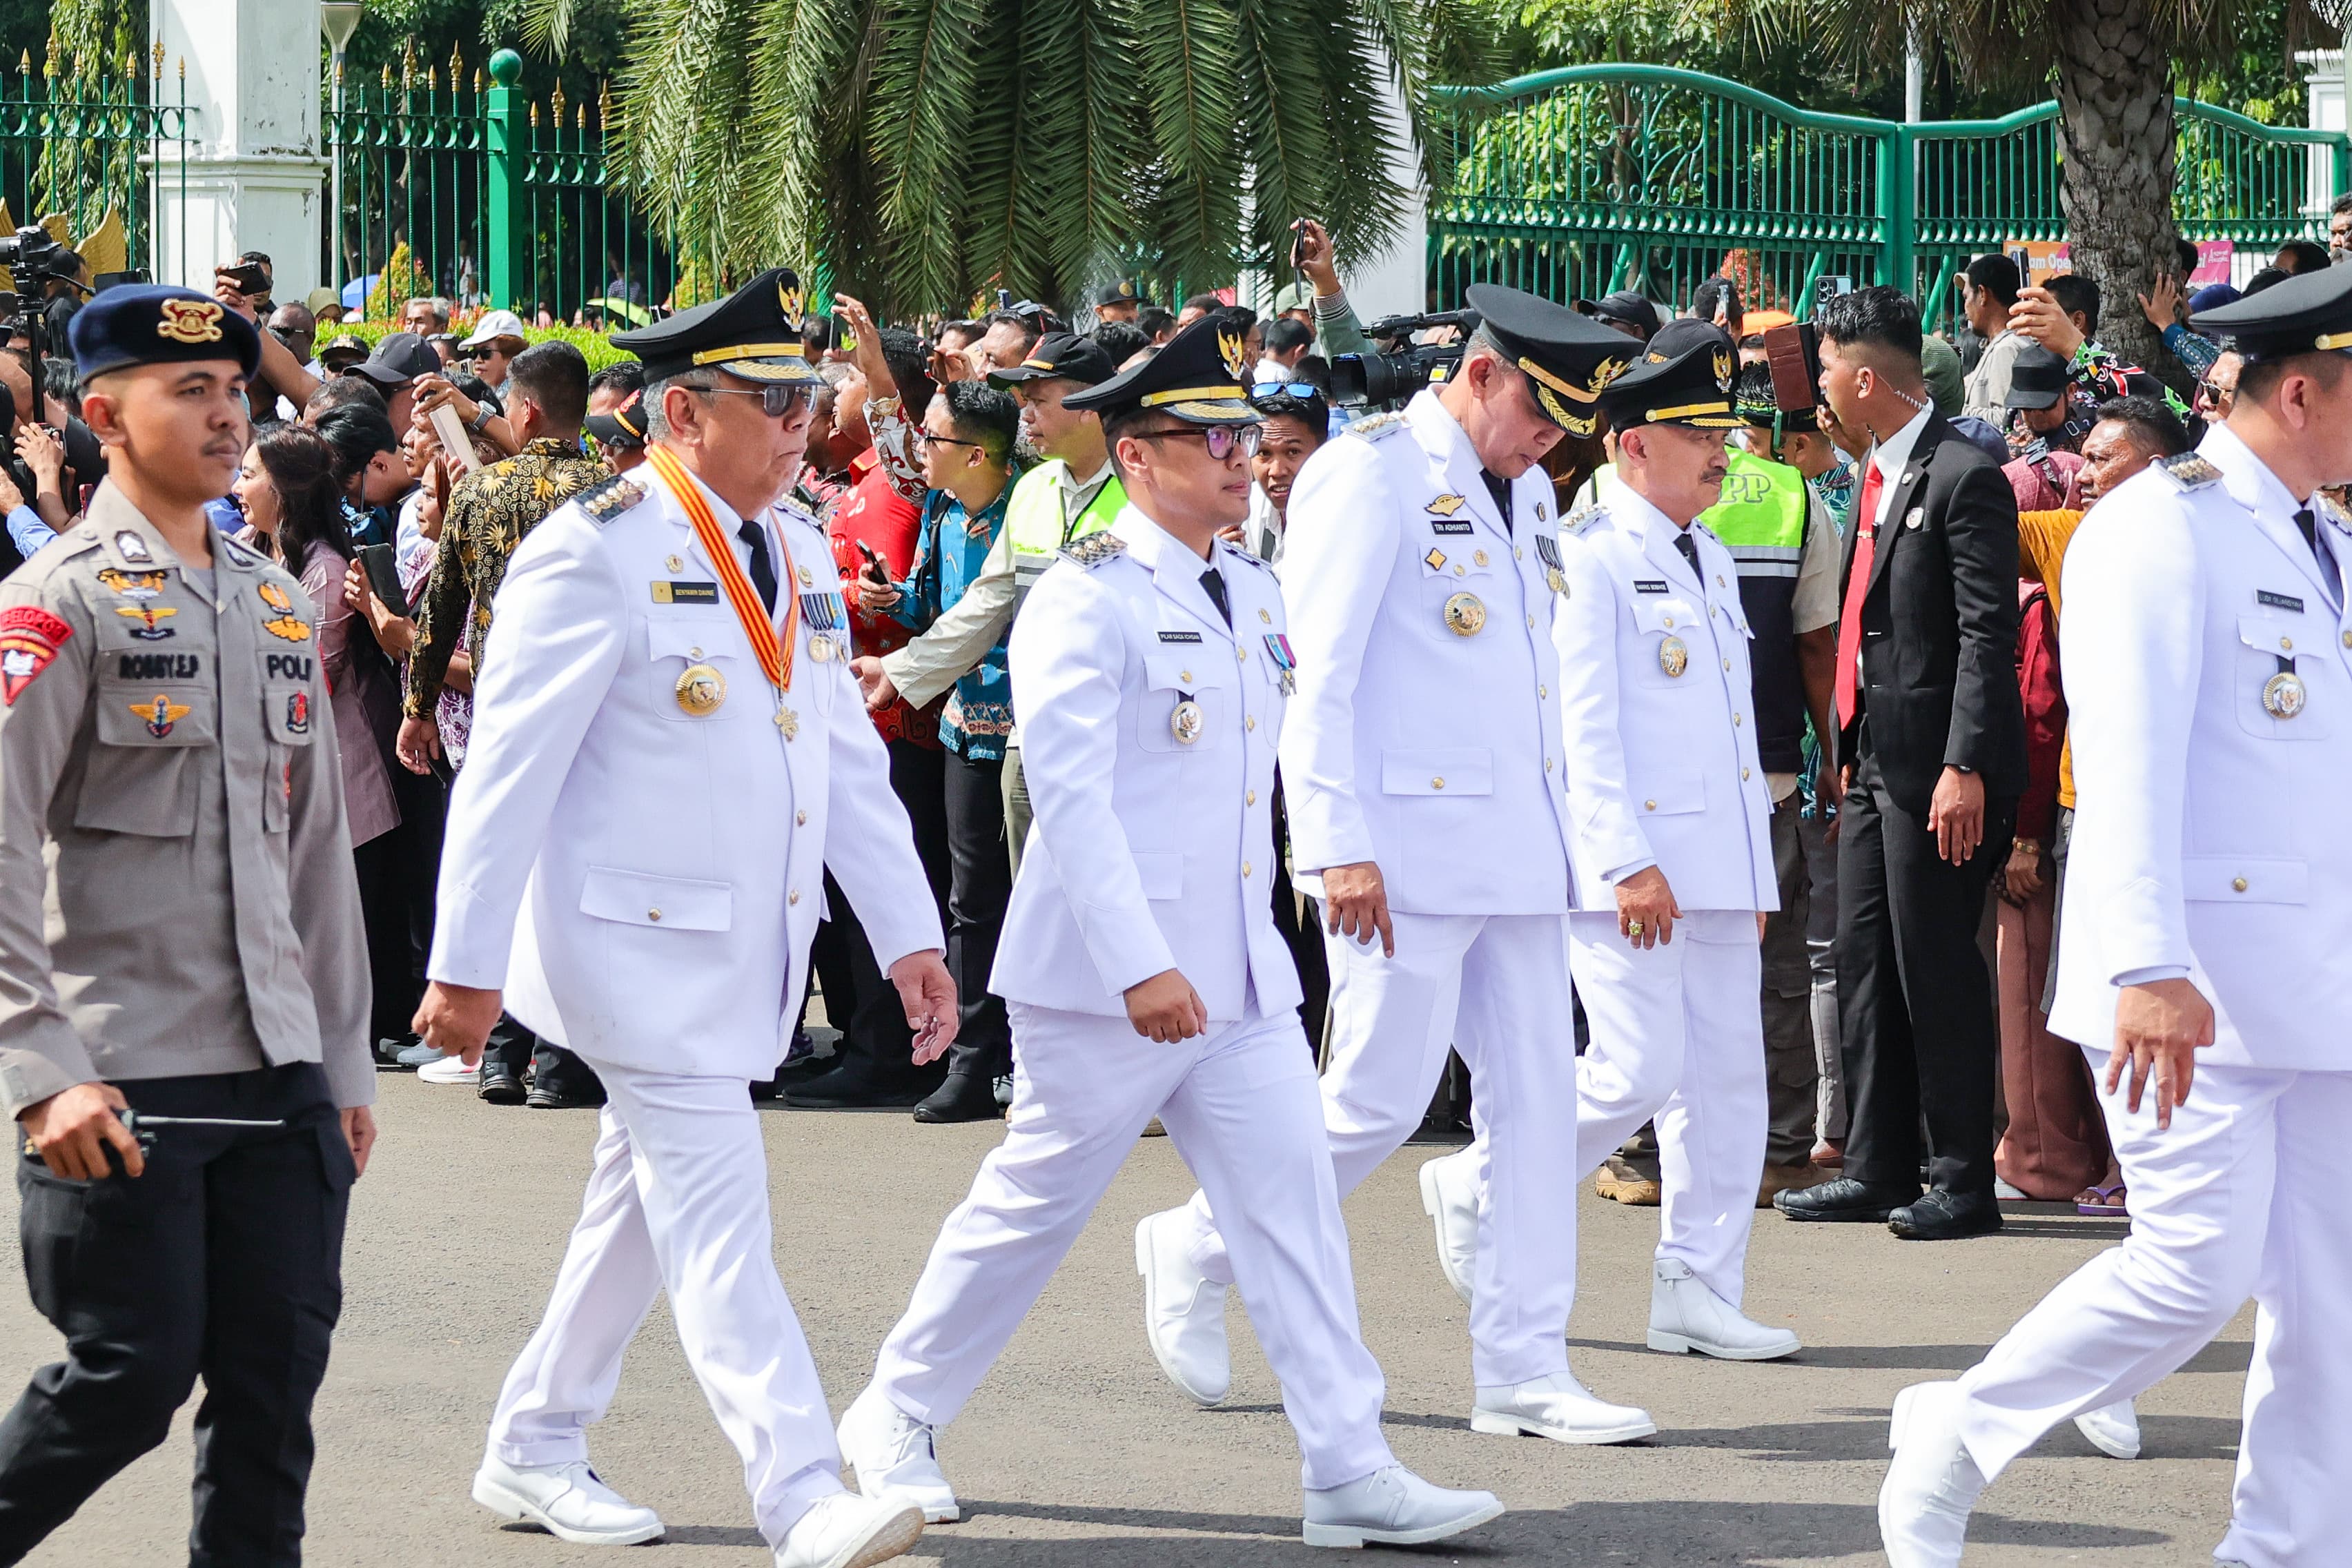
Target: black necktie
[
  {"x": 1500, "y": 488},
  {"x": 2310, "y": 526},
  {"x": 1213, "y": 582},
  {"x": 764, "y": 569},
  {"x": 1689, "y": 547}
]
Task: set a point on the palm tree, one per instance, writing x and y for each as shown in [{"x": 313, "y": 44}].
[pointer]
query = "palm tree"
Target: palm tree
[
  {"x": 2112, "y": 62},
  {"x": 928, "y": 149}
]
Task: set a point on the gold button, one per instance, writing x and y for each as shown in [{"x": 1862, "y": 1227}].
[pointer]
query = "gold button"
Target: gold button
[
  {"x": 1547, "y": 764},
  {"x": 1743, "y": 773},
  {"x": 1241, "y": 655},
  {"x": 1185, "y": 675},
  {"x": 794, "y": 896},
  {"x": 653, "y": 914},
  {"x": 1479, "y": 556},
  {"x": 2286, "y": 645},
  {"x": 694, "y": 653},
  {"x": 1519, "y": 554},
  {"x": 2347, "y": 639},
  {"x": 1649, "y": 806},
  {"x": 1734, "y": 721},
  {"x": 673, "y": 563},
  {"x": 1459, "y": 568},
  {"x": 1544, "y": 692},
  {"x": 1726, "y": 664},
  {"x": 1437, "y": 784},
  {"x": 1250, "y": 799},
  {"x": 1718, "y": 579},
  {"x": 1669, "y": 623},
  {"x": 1266, "y": 616},
  {"x": 799, "y": 819},
  {"x": 1531, "y": 623},
  {"x": 1246, "y": 868},
  {"x": 1251, "y": 723},
  {"x": 2237, "y": 884}
]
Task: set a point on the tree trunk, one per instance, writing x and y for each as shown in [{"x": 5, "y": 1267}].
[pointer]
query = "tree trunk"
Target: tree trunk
[{"x": 2114, "y": 101}]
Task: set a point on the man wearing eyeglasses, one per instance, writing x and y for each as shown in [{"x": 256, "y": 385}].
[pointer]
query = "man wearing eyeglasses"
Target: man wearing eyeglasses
[
  {"x": 1144, "y": 973},
  {"x": 1423, "y": 777},
  {"x": 669, "y": 755}
]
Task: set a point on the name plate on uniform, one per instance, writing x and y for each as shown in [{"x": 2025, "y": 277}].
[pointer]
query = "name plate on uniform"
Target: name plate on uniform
[
  {"x": 686, "y": 593},
  {"x": 1644, "y": 586},
  {"x": 1463, "y": 527},
  {"x": 1179, "y": 636},
  {"x": 2278, "y": 601}
]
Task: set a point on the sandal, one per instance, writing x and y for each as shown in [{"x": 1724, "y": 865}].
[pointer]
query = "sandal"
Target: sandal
[{"x": 2102, "y": 1202}]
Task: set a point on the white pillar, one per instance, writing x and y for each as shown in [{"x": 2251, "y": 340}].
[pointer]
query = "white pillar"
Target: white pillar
[
  {"x": 254, "y": 175},
  {"x": 2324, "y": 75},
  {"x": 1394, "y": 282}
]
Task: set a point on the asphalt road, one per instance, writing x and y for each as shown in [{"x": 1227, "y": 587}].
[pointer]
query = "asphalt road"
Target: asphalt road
[{"x": 1075, "y": 1453}]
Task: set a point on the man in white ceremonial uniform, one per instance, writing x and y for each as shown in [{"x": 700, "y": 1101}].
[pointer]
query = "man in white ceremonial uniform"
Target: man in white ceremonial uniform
[
  {"x": 669, "y": 753},
  {"x": 1672, "y": 850},
  {"x": 1422, "y": 772},
  {"x": 2207, "y": 650},
  {"x": 1144, "y": 971}
]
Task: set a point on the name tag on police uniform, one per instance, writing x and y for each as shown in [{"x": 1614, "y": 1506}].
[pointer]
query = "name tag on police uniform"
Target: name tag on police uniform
[
  {"x": 1179, "y": 636},
  {"x": 2278, "y": 601},
  {"x": 686, "y": 593}
]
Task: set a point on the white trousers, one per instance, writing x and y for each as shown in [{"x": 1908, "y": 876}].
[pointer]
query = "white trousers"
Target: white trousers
[
  {"x": 1239, "y": 1102},
  {"x": 1495, "y": 988},
  {"x": 2242, "y": 1196},
  {"x": 677, "y": 1201}
]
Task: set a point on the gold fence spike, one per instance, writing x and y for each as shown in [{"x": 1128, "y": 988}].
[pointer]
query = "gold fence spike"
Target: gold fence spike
[
  {"x": 557, "y": 100},
  {"x": 408, "y": 62},
  {"x": 24, "y": 63},
  {"x": 338, "y": 73},
  {"x": 432, "y": 79},
  {"x": 387, "y": 75},
  {"x": 580, "y": 116},
  {"x": 535, "y": 116},
  {"x": 479, "y": 86},
  {"x": 605, "y": 102},
  {"x": 158, "y": 60},
  {"x": 456, "y": 67}
]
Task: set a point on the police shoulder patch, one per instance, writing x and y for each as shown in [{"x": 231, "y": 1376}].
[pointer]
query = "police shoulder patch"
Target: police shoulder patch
[
  {"x": 608, "y": 498},
  {"x": 2189, "y": 471},
  {"x": 1378, "y": 426},
  {"x": 1095, "y": 549}
]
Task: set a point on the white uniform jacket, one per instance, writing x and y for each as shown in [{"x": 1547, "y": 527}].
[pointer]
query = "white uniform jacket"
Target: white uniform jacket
[
  {"x": 1146, "y": 851},
  {"x": 1658, "y": 706},
  {"x": 1424, "y": 740},
  {"x": 2211, "y": 837},
  {"x": 643, "y": 880}
]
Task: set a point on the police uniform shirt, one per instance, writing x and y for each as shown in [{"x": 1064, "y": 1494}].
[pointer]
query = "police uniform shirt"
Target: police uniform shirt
[{"x": 167, "y": 743}]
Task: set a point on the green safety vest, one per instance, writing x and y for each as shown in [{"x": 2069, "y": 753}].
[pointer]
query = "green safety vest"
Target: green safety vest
[{"x": 1033, "y": 522}]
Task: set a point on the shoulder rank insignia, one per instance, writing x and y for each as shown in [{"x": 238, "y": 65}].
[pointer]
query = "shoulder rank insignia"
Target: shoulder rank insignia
[
  {"x": 1583, "y": 517},
  {"x": 1229, "y": 551},
  {"x": 1377, "y": 427},
  {"x": 608, "y": 498},
  {"x": 1095, "y": 549},
  {"x": 2189, "y": 471}
]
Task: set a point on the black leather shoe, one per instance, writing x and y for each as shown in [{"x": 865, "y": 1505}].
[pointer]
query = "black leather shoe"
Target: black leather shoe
[
  {"x": 1844, "y": 1200},
  {"x": 551, "y": 1100},
  {"x": 499, "y": 1086},
  {"x": 855, "y": 1085},
  {"x": 1947, "y": 1216},
  {"x": 961, "y": 1097}
]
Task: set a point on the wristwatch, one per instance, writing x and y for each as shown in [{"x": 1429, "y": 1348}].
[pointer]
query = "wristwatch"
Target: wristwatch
[{"x": 482, "y": 418}]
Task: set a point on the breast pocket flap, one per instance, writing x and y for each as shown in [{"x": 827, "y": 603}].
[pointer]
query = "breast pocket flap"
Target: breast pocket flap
[
  {"x": 1663, "y": 614},
  {"x": 1194, "y": 670},
  {"x": 2220, "y": 878},
  {"x": 639, "y": 897},
  {"x": 703, "y": 637}
]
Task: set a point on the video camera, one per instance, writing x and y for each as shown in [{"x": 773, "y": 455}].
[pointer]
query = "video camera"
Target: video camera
[{"x": 1388, "y": 378}]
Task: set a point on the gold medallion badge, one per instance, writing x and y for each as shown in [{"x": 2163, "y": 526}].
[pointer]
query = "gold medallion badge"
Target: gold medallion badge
[
  {"x": 701, "y": 688},
  {"x": 1464, "y": 615},
  {"x": 1673, "y": 657}
]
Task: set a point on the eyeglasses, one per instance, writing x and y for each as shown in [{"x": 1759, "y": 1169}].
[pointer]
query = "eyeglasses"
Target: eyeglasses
[
  {"x": 927, "y": 439},
  {"x": 775, "y": 401},
  {"x": 1222, "y": 440}
]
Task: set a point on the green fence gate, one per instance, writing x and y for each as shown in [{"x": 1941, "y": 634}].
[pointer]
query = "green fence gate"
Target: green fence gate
[
  {"x": 1574, "y": 182},
  {"x": 101, "y": 145}
]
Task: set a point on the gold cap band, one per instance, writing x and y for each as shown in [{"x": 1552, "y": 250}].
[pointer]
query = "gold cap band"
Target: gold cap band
[
  {"x": 751, "y": 351},
  {"x": 2333, "y": 341},
  {"x": 1189, "y": 395},
  {"x": 1577, "y": 393},
  {"x": 1685, "y": 411}
]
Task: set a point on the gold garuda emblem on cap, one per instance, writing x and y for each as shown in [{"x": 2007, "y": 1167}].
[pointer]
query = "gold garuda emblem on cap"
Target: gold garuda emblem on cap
[
  {"x": 789, "y": 301},
  {"x": 190, "y": 322},
  {"x": 1233, "y": 348},
  {"x": 1723, "y": 370},
  {"x": 1604, "y": 372}
]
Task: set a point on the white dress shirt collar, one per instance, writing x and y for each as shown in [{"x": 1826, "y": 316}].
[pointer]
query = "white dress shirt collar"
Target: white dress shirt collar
[{"x": 1889, "y": 455}]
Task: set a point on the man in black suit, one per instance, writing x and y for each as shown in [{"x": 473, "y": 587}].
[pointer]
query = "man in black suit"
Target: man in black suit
[{"x": 1931, "y": 738}]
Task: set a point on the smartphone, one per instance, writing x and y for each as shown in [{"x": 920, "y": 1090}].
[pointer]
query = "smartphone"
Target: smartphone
[
  {"x": 874, "y": 562},
  {"x": 247, "y": 279},
  {"x": 456, "y": 444},
  {"x": 843, "y": 338},
  {"x": 2023, "y": 260},
  {"x": 1004, "y": 298},
  {"x": 383, "y": 575},
  {"x": 1830, "y": 286}
]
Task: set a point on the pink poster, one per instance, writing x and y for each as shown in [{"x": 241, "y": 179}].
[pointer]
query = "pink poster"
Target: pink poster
[{"x": 2213, "y": 262}]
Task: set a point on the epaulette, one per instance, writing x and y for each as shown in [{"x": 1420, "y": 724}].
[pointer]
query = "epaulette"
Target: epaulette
[
  {"x": 1583, "y": 517},
  {"x": 1095, "y": 549},
  {"x": 608, "y": 498},
  {"x": 798, "y": 512},
  {"x": 1241, "y": 553},
  {"x": 1379, "y": 426},
  {"x": 239, "y": 553},
  {"x": 2189, "y": 471}
]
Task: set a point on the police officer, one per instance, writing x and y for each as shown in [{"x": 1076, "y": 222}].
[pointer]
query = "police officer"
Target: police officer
[
  {"x": 1145, "y": 975},
  {"x": 181, "y": 939},
  {"x": 1422, "y": 772},
  {"x": 668, "y": 754},
  {"x": 2208, "y": 639}
]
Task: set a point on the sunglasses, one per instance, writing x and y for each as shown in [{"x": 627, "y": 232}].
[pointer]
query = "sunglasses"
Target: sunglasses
[
  {"x": 775, "y": 401},
  {"x": 1272, "y": 391},
  {"x": 1222, "y": 440}
]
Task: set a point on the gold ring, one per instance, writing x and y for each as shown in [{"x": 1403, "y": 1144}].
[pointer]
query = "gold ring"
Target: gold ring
[{"x": 1632, "y": 928}]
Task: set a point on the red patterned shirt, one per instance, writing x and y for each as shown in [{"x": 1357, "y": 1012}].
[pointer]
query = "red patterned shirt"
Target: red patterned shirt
[{"x": 872, "y": 512}]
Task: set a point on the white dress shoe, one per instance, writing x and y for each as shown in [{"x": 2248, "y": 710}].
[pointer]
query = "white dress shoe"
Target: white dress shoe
[
  {"x": 2113, "y": 1429},
  {"x": 1449, "y": 1196},
  {"x": 845, "y": 1530},
  {"x": 449, "y": 1069},
  {"x": 1183, "y": 1311},
  {"x": 1558, "y": 1407},
  {"x": 894, "y": 1458},
  {"x": 419, "y": 1055},
  {"x": 566, "y": 1500},
  {"x": 1686, "y": 1315},
  {"x": 1393, "y": 1508},
  {"x": 1923, "y": 1508}
]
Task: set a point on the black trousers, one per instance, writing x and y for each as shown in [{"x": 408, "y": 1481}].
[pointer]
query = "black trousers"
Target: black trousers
[
  {"x": 223, "y": 1261},
  {"x": 859, "y": 999},
  {"x": 1914, "y": 1002},
  {"x": 551, "y": 1068},
  {"x": 1302, "y": 933},
  {"x": 979, "y": 885}
]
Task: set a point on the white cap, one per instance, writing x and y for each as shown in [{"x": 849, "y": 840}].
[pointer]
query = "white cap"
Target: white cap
[{"x": 493, "y": 325}]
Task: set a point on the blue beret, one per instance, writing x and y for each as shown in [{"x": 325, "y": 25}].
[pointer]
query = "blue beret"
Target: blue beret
[{"x": 151, "y": 324}]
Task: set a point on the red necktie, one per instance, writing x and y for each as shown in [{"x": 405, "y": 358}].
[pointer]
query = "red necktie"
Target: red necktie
[{"x": 1857, "y": 587}]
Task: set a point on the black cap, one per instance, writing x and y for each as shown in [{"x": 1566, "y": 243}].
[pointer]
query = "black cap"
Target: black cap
[
  {"x": 346, "y": 348},
  {"x": 754, "y": 333},
  {"x": 1568, "y": 357},
  {"x": 1063, "y": 355},
  {"x": 159, "y": 325},
  {"x": 624, "y": 427},
  {"x": 2310, "y": 312},
  {"x": 1197, "y": 378},
  {"x": 1627, "y": 305},
  {"x": 1756, "y": 402},
  {"x": 399, "y": 358},
  {"x": 1123, "y": 292},
  {"x": 2037, "y": 378},
  {"x": 1683, "y": 377}
]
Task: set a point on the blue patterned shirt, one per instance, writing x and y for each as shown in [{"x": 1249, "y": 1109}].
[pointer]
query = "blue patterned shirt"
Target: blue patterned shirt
[{"x": 949, "y": 553}]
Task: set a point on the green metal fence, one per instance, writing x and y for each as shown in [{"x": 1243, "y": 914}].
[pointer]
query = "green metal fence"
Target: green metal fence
[
  {"x": 1574, "y": 182},
  {"x": 101, "y": 144}
]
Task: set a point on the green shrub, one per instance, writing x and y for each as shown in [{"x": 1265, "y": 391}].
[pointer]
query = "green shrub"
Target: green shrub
[{"x": 595, "y": 347}]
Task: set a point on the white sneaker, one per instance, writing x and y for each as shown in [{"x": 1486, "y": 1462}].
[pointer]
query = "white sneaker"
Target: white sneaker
[
  {"x": 566, "y": 1500},
  {"x": 1558, "y": 1407},
  {"x": 845, "y": 1530},
  {"x": 419, "y": 1055},
  {"x": 1686, "y": 1314},
  {"x": 1449, "y": 1196},
  {"x": 1394, "y": 1508},
  {"x": 449, "y": 1069},
  {"x": 1183, "y": 1311},
  {"x": 894, "y": 1458},
  {"x": 2113, "y": 1429},
  {"x": 1923, "y": 1508}
]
